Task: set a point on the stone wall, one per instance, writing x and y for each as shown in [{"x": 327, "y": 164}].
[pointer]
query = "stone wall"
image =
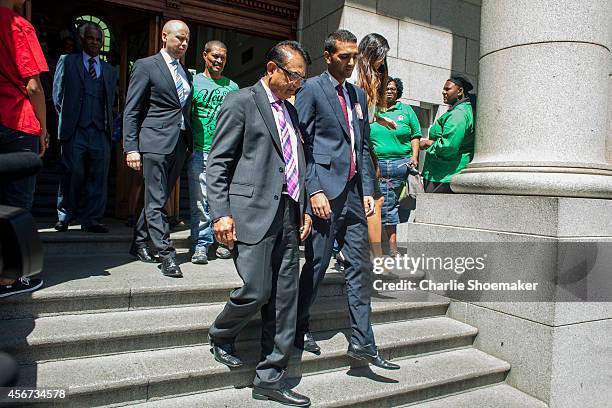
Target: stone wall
[{"x": 429, "y": 39}]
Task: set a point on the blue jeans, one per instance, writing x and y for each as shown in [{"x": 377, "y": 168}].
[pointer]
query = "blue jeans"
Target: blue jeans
[
  {"x": 393, "y": 173},
  {"x": 17, "y": 193},
  {"x": 201, "y": 225}
]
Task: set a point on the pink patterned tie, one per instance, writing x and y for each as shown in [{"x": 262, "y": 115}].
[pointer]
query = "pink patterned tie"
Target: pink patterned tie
[
  {"x": 291, "y": 174},
  {"x": 348, "y": 126}
]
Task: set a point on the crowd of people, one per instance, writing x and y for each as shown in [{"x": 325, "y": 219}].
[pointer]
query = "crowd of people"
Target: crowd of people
[{"x": 282, "y": 163}]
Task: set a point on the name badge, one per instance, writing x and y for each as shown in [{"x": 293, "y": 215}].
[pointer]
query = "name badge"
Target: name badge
[{"x": 358, "y": 111}]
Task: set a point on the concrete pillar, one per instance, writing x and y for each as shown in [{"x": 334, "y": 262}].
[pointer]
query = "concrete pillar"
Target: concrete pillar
[{"x": 542, "y": 119}]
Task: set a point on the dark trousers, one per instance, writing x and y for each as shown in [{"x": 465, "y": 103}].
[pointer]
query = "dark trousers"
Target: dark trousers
[
  {"x": 348, "y": 225},
  {"x": 160, "y": 173},
  {"x": 437, "y": 187},
  {"x": 270, "y": 272},
  {"x": 17, "y": 193},
  {"x": 85, "y": 161}
]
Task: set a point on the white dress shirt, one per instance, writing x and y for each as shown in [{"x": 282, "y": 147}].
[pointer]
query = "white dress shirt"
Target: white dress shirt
[
  {"x": 97, "y": 67},
  {"x": 349, "y": 108},
  {"x": 174, "y": 69},
  {"x": 292, "y": 133}
]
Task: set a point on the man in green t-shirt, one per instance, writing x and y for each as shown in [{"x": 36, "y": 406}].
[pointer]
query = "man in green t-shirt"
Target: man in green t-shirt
[{"x": 209, "y": 91}]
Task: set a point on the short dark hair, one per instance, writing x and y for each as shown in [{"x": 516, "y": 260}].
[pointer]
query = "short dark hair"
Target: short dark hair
[
  {"x": 399, "y": 85},
  {"x": 338, "y": 35},
  {"x": 214, "y": 43},
  {"x": 279, "y": 55}
]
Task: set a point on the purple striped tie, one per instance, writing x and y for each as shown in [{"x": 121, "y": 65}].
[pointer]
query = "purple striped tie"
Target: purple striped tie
[{"x": 291, "y": 173}]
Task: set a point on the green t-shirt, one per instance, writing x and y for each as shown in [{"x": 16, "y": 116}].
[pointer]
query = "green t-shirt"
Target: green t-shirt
[
  {"x": 453, "y": 147},
  {"x": 393, "y": 144},
  {"x": 208, "y": 95}
]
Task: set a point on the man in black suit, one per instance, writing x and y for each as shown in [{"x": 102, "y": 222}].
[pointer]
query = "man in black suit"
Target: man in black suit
[
  {"x": 334, "y": 121},
  {"x": 256, "y": 193},
  {"x": 83, "y": 95},
  {"x": 156, "y": 135}
]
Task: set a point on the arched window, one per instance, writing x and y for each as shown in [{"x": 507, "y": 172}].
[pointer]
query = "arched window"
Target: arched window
[{"x": 106, "y": 34}]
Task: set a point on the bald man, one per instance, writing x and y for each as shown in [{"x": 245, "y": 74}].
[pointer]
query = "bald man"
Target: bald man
[{"x": 156, "y": 136}]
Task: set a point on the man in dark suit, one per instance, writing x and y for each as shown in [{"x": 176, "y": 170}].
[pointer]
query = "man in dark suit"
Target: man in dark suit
[
  {"x": 156, "y": 135},
  {"x": 334, "y": 121},
  {"x": 256, "y": 192},
  {"x": 83, "y": 95}
]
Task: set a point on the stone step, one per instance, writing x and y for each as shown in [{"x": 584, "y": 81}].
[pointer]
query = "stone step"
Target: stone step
[
  {"x": 74, "y": 336},
  {"x": 419, "y": 378},
  {"x": 117, "y": 240},
  {"x": 496, "y": 396},
  {"x": 138, "y": 377},
  {"x": 102, "y": 283}
]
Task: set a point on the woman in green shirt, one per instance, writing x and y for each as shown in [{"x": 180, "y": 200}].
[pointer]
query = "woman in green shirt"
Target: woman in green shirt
[
  {"x": 450, "y": 147},
  {"x": 393, "y": 146}
]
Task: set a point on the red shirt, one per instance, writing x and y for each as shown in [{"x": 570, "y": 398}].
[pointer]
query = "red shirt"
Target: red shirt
[{"x": 20, "y": 57}]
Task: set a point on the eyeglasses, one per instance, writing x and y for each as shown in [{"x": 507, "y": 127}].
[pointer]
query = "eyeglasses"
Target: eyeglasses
[{"x": 293, "y": 76}]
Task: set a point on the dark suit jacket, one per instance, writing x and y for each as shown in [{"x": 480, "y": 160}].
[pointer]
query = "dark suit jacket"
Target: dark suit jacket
[
  {"x": 326, "y": 138},
  {"x": 245, "y": 170},
  {"x": 152, "y": 115},
  {"x": 68, "y": 92}
]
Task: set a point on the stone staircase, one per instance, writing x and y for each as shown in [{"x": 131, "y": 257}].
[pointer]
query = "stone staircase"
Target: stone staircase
[{"x": 116, "y": 332}]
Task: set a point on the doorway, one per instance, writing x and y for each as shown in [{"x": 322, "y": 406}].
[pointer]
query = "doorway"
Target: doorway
[{"x": 130, "y": 33}]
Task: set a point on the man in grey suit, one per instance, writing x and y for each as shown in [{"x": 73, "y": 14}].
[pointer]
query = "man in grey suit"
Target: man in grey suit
[
  {"x": 334, "y": 121},
  {"x": 83, "y": 94},
  {"x": 256, "y": 193},
  {"x": 156, "y": 136}
]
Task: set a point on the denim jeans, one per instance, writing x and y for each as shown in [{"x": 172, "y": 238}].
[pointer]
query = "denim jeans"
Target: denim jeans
[
  {"x": 17, "y": 193},
  {"x": 201, "y": 225},
  {"x": 393, "y": 173}
]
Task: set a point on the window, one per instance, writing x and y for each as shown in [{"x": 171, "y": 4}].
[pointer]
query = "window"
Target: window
[{"x": 106, "y": 34}]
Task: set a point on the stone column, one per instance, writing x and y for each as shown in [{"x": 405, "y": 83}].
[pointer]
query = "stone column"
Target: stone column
[{"x": 542, "y": 119}]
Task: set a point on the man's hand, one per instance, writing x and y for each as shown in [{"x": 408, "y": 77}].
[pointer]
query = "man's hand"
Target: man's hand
[
  {"x": 43, "y": 142},
  {"x": 320, "y": 205},
  {"x": 133, "y": 160},
  {"x": 368, "y": 204},
  {"x": 306, "y": 227},
  {"x": 414, "y": 162},
  {"x": 225, "y": 231}
]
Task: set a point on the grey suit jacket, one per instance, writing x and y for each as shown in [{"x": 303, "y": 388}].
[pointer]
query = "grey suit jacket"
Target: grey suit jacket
[
  {"x": 68, "y": 90},
  {"x": 152, "y": 114},
  {"x": 245, "y": 169},
  {"x": 326, "y": 138}
]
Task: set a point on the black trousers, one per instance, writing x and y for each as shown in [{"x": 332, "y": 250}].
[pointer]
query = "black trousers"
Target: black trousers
[
  {"x": 270, "y": 272},
  {"x": 437, "y": 187},
  {"x": 17, "y": 193},
  {"x": 160, "y": 173},
  {"x": 348, "y": 225}
]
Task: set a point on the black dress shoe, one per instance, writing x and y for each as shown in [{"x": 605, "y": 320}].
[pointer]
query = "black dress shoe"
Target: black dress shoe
[
  {"x": 61, "y": 226},
  {"x": 225, "y": 354},
  {"x": 170, "y": 268},
  {"x": 97, "y": 228},
  {"x": 143, "y": 254},
  {"x": 284, "y": 395},
  {"x": 307, "y": 343},
  {"x": 361, "y": 353}
]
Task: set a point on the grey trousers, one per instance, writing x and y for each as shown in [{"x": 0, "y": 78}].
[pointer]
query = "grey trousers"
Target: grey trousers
[{"x": 270, "y": 272}]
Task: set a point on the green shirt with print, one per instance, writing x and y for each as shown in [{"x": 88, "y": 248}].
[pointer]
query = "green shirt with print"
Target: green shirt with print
[
  {"x": 394, "y": 144},
  {"x": 453, "y": 147},
  {"x": 208, "y": 95}
]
